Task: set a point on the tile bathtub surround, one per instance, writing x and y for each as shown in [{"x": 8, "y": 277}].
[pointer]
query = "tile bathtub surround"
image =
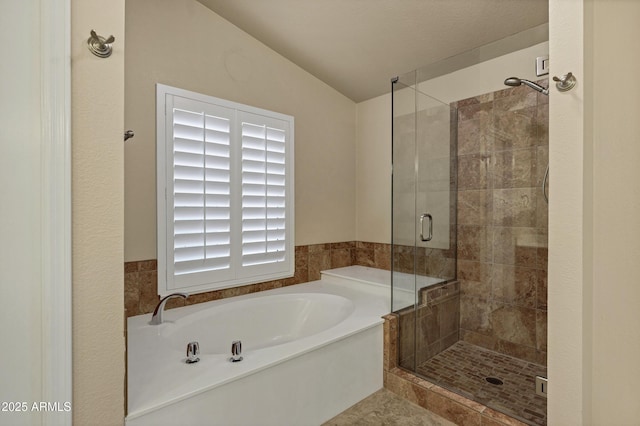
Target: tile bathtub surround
[
  {"x": 449, "y": 405},
  {"x": 502, "y": 221},
  {"x": 141, "y": 277},
  {"x": 437, "y": 321}
]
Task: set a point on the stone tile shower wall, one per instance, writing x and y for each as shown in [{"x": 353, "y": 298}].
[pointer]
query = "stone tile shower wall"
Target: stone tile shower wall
[
  {"x": 502, "y": 222},
  {"x": 141, "y": 277}
]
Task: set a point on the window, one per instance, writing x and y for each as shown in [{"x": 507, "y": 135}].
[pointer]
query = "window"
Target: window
[{"x": 225, "y": 193}]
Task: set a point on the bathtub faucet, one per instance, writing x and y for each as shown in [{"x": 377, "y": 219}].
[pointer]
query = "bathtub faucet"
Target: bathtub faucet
[{"x": 156, "y": 318}]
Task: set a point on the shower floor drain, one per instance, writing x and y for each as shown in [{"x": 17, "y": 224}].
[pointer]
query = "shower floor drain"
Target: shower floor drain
[{"x": 494, "y": 381}]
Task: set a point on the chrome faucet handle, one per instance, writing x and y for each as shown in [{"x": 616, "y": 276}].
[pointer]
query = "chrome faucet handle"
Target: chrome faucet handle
[
  {"x": 236, "y": 350},
  {"x": 193, "y": 350},
  {"x": 156, "y": 318}
]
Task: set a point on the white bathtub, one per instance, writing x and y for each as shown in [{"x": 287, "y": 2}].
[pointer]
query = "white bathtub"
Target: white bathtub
[{"x": 310, "y": 351}]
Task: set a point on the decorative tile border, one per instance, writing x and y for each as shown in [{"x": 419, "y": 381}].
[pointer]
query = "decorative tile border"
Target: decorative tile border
[{"x": 141, "y": 277}]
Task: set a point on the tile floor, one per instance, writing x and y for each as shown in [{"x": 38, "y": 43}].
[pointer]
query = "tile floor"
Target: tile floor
[
  {"x": 385, "y": 408},
  {"x": 464, "y": 366}
]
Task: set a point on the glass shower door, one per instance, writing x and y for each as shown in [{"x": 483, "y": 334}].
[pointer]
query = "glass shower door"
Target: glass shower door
[{"x": 423, "y": 218}]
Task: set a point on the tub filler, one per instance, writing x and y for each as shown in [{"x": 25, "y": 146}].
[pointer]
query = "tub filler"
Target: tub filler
[{"x": 309, "y": 352}]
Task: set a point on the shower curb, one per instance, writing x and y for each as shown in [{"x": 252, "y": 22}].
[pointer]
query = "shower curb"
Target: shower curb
[{"x": 434, "y": 398}]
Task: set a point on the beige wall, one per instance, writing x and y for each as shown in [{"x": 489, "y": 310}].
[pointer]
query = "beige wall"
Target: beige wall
[
  {"x": 594, "y": 325},
  {"x": 373, "y": 170},
  {"x": 615, "y": 148},
  {"x": 181, "y": 43},
  {"x": 21, "y": 211},
  {"x": 567, "y": 366},
  {"x": 97, "y": 100}
]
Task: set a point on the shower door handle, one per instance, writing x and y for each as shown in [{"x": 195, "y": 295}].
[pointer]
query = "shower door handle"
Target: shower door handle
[{"x": 430, "y": 235}]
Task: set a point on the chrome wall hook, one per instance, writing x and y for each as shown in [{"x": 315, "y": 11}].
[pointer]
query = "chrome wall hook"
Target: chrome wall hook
[
  {"x": 566, "y": 82},
  {"x": 100, "y": 46},
  {"x": 128, "y": 135}
]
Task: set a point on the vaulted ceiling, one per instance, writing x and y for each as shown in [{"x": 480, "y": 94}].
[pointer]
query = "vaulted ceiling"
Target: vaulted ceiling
[{"x": 356, "y": 46}]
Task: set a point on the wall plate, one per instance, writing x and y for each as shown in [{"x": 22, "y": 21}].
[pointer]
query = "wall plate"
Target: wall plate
[
  {"x": 542, "y": 383},
  {"x": 542, "y": 65}
]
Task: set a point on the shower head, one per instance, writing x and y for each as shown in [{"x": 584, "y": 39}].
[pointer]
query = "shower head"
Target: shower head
[{"x": 515, "y": 81}]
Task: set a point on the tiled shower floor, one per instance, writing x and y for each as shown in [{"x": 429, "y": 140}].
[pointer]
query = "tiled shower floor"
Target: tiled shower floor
[{"x": 464, "y": 367}]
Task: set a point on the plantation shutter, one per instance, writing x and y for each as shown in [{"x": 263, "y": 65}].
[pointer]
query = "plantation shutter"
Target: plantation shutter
[
  {"x": 201, "y": 192},
  {"x": 264, "y": 215},
  {"x": 225, "y": 193}
]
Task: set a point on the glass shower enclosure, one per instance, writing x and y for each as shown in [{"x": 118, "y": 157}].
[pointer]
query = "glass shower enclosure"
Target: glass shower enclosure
[
  {"x": 424, "y": 292},
  {"x": 469, "y": 240}
]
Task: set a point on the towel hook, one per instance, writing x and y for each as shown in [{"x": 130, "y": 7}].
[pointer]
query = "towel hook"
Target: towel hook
[
  {"x": 565, "y": 83},
  {"x": 100, "y": 46}
]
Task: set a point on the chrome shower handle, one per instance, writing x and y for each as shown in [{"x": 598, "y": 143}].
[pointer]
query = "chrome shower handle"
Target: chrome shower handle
[{"x": 430, "y": 236}]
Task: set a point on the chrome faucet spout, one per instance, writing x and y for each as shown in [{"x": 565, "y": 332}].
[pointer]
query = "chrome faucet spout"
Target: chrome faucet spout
[{"x": 156, "y": 318}]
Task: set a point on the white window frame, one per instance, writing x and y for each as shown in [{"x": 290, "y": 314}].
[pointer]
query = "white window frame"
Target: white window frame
[{"x": 237, "y": 274}]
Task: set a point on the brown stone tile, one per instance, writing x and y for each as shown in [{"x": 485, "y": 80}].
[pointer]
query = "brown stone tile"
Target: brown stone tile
[
  {"x": 203, "y": 297},
  {"x": 301, "y": 264},
  {"x": 476, "y": 289},
  {"x": 516, "y": 246},
  {"x": 511, "y": 91},
  {"x": 475, "y": 111},
  {"x": 478, "y": 339},
  {"x": 542, "y": 211},
  {"x": 131, "y": 293},
  {"x": 475, "y": 207},
  {"x": 176, "y": 302},
  {"x": 130, "y": 267},
  {"x": 541, "y": 330},
  {"x": 341, "y": 257},
  {"x": 474, "y": 243},
  {"x": 318, "y": 261},
  {"x": 515, "y": 168},
  {"x": 492, "y": 417},
  {"x": 148, "y": 265},
  {"x": 542, "y": 120},
  {"x": 514, "y": 324},
  {"x": 518, "y": 100},
  {"x": 382, "y": 256},
  {"x": 514, "y": 285},
  {"x": 406, "y": 389},
  {"x": 542, "y": 257},
  {"x": 475, "y": 315},
  {"x": 449, "y": 315},
  {"x": 450, "y": 410},
  {"x": 316, "y": 248},
  {"x": 541, "y": 289},
  {"x": 542, "y": 160},
  {"x": 514, "y": 207},
  {"x": 515, "y": 129},
  {"x": 148, "y": 284},
  {"x": 365, "y": 257},
  {"x": 475, "y": 406},
  {"x": 473, "y": 171},
  {"x": 516, "y": 350},
  {"x": 469, "y": 270},
  {"x": 343, "y": 245},
  {"x": 475, "y": 136}
]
